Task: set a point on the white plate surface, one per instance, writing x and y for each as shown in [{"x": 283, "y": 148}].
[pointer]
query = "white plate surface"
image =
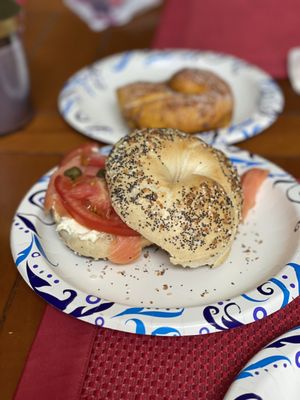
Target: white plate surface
[
  {"x": 151, "y": 296},
  {"x": 88, "y": 100},
  {"x": 273, "y": 373}
]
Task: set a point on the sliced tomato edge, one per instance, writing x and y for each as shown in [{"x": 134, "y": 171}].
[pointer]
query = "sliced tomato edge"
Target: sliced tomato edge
[{"x": 103, "y": 225}]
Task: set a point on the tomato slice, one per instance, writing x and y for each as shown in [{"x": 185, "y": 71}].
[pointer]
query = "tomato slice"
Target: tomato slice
[
  {"x": 86, "y": 157},
  {"x": 95, "y": 160},
  {"x": 87, "y": 201},
  {"x": 51, "y": 196},
  {"x": 84, "y": 150}
]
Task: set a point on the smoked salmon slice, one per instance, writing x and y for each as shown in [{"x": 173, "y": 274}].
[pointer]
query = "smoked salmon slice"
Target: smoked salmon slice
[
  {"x": 125, "y": 249},
  {"x": 251, "y": 181}
]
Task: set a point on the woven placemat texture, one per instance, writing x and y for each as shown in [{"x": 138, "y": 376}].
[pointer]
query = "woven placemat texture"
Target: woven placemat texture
[{"x": 128, "y": 366}]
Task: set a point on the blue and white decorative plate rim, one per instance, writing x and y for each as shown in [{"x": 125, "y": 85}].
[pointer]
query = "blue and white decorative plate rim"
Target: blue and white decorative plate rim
[
  {"x": 261, "y": 275},
  {"x": 273, "y": 373},
  {"x": 88, "y": 102}
]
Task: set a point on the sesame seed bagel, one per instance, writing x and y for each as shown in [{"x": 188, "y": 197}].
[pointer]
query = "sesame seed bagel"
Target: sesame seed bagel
[
  {"x": 192, "y": 100},
  {"x": 177, "y": 192}
]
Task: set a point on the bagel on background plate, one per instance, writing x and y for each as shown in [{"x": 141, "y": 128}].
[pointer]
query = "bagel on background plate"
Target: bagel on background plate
[{"x": 192, "y": 100}]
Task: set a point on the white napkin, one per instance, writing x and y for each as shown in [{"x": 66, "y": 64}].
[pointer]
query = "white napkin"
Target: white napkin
[{"x": 100, "y": 14}]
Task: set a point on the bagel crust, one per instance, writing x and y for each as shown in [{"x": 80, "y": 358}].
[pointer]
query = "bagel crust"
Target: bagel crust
[
  {"x": 193, "y": 100},
  {"x": 177, "y": 192}
]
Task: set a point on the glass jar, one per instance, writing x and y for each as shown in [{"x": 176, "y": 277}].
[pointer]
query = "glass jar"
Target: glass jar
[{"x": 15, "y": 102}]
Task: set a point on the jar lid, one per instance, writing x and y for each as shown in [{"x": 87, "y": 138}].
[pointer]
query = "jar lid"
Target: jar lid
[{"x": 8, "y": 26}]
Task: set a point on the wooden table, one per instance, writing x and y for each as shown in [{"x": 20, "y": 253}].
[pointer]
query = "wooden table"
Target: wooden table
[{"x": 58, "y": 44}]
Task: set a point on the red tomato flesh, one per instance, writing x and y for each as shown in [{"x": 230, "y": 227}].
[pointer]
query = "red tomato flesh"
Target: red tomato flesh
[
  {"x": 87, "y": 201},
  {"x": 82, "y": 151}
]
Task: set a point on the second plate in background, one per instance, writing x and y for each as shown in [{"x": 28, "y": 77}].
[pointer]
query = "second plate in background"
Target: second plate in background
[{"x": 88, "y": 100}]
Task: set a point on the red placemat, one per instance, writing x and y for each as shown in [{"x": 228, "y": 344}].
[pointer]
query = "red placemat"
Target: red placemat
[
  {"x": 73, "y": 360},
  {"x": 260, "y": 32},
  {"x": 192, "y": 367}
]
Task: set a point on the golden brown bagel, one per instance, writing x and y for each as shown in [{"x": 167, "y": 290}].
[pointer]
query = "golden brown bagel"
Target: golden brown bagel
[
  {"x": 193, "y": 100},
  {"x": 177, "y": 192}
]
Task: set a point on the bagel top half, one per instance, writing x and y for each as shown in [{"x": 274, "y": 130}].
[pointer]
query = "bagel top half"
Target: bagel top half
[{"x": 177, "y": 192}]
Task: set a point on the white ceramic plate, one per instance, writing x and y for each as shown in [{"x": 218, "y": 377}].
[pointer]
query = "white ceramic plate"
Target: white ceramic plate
[
  {"x": 153, "y": 297},
  {"x": 273, "y": 373},
  {"x": 88, "y": 100}
]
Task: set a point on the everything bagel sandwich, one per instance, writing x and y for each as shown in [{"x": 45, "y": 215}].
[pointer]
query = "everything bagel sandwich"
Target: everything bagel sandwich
[{"x": 157, "y": 186}]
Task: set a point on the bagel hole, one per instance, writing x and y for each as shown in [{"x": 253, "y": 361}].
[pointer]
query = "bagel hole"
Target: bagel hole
[
  {"x": 180, "y": 165},
  {"x": 183, "y": 169}
]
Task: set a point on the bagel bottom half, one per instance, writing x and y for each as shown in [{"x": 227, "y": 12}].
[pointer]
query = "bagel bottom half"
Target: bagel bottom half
[{"x": 93, "y": 244}]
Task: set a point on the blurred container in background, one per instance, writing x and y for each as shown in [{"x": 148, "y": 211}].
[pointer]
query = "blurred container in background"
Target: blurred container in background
[{"x": 15, "y": 102}]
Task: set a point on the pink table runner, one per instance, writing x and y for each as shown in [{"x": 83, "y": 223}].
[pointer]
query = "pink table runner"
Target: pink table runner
[{"x": 72, "y": 360}]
